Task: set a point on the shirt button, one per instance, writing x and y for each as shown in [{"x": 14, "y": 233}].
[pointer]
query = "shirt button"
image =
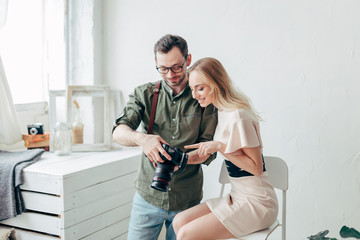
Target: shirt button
[
  {"x": 173, "y": 137},
  {"x": 169, "y": 189},
  {"x": 173, "y": 119},
  {"x": 174, "y": 102}
]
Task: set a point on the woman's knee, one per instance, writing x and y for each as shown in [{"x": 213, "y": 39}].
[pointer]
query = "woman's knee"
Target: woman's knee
[
  {"x": 185, "y": 233},
  {"x": 178, "y": 222}
]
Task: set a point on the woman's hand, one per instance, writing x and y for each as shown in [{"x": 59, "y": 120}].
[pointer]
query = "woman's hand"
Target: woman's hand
[{"x": 206, "y": 148}]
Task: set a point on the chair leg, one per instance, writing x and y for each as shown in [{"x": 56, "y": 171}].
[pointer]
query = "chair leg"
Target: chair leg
[
  {"x": 222, "y": 190},
  {"x": 283, "y": 223}
]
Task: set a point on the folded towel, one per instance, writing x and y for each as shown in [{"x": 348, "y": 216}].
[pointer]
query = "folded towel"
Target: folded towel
[{"x": 11, "y": 166}]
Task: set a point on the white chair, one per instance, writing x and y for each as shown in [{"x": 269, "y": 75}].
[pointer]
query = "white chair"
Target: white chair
[{"x": 278, "y": 174}]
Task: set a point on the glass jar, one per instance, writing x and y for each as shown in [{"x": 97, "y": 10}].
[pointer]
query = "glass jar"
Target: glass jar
[{"x": 62, "y": 138}]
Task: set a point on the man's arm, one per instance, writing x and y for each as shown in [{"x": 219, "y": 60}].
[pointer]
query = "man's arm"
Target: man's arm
[
  {"x": 150, "y": 144},
  {"x": 126, "y": 136},
  {"x": 124, "y": 131}
]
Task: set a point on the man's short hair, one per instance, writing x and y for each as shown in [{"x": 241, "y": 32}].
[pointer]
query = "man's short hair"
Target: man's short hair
[{"x": 167, "y": 42}]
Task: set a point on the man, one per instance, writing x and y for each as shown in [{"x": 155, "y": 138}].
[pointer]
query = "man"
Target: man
[{"x": 179, "y": 121}]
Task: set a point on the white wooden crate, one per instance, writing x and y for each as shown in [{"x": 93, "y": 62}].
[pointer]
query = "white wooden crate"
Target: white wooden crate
[{"x": 79, "y": 196}]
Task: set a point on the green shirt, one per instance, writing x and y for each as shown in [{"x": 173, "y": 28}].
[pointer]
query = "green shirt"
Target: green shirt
[{"x": 179, "y": 121}]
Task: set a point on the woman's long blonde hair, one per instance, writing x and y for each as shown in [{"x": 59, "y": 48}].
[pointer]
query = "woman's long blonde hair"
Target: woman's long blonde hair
[{"x": 225, "y": 95}]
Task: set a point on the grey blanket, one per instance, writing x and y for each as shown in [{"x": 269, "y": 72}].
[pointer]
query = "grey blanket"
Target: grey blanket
[{"x": 11, "y": 166}]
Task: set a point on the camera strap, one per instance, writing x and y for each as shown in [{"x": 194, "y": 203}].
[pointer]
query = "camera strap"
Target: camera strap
[{"x": 153, "y": 106}]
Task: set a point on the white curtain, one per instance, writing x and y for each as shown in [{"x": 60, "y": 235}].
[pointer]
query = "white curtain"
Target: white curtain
[
  {"x": 3, "y": 12},
  {"x": 10, "y": 132}
]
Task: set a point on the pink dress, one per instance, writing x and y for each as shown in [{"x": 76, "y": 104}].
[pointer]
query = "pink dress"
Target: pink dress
[{"x": 251, "y": 204}]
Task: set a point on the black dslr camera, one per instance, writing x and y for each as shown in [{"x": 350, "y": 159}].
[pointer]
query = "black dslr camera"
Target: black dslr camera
[{"x": 164, "y": 171}]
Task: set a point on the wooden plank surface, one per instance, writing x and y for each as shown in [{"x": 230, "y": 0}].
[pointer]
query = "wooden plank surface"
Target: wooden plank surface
[
  {"x": 44, "y": 183},
  {"x": 98, "y": 191},
  {"x": 48, "y": 174},
  {"x": 42, "y": 202},
  {"x": 97, "y": 223},
  {"x": 55, "y": 165},
  {"x": 37, "y": 222},
  {"x": 113, "y": 231},
  {"x": 121, "y": 237},
  {"x": 95, "y": 175},
  {"x": 97, "y": 208},
  {"x": 21, "y": 234}
]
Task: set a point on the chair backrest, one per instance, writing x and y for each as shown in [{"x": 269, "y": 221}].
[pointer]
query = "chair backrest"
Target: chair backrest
[
  {"x": 276, "y": 168},
  {"x": 278, "y": 173}
]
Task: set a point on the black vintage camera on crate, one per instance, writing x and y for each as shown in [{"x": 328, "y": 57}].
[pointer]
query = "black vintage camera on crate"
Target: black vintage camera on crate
[{"x": 164, "y": 170}]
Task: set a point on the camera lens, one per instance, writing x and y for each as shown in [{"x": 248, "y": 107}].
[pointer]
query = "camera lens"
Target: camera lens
[
  {"x": 164, "y": 170},
  {"x": 162, "y": 176},
  {"x": 33, "y": 131}
]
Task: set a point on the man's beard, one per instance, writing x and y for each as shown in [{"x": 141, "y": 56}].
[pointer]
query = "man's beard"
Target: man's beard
[{"x": 175, "y": 84}]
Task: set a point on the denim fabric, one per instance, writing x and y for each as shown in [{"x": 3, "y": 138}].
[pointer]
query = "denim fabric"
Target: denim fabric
[{"x": 146, "y": 221}]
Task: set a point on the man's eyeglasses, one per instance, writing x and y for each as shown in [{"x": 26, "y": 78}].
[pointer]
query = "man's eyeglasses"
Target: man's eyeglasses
[{"x": 174, "y": 69}]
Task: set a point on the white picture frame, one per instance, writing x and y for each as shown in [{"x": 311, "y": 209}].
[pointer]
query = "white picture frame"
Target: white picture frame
[{"x": 100, "y": 101}]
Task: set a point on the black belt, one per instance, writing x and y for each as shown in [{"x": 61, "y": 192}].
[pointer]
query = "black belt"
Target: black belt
[{"x": 237, "y": 172}]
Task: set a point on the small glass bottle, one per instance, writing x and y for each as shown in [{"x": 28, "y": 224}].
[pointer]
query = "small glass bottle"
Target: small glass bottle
[{"x": 62, "y": 138}]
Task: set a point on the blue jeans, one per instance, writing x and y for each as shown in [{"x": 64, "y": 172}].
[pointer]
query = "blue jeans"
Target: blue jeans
[{"x": 146, "y": 221}]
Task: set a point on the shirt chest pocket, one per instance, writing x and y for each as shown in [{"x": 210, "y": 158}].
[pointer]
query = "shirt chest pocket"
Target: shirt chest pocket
[{"x": 190, "y": 121}]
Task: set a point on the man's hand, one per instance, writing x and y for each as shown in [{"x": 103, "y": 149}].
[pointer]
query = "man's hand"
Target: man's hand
[{"x": 151, "y": 146}]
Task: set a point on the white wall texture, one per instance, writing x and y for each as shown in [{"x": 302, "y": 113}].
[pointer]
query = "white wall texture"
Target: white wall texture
[{"x": 299, "y": 63}]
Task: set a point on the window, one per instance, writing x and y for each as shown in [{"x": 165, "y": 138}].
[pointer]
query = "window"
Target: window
[
  {"x": 32, "y": 49},
  {"x": 21, "y": 49}
]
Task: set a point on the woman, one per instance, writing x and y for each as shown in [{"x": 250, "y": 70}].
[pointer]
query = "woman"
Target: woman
[{"x": 252, "y": 203}]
